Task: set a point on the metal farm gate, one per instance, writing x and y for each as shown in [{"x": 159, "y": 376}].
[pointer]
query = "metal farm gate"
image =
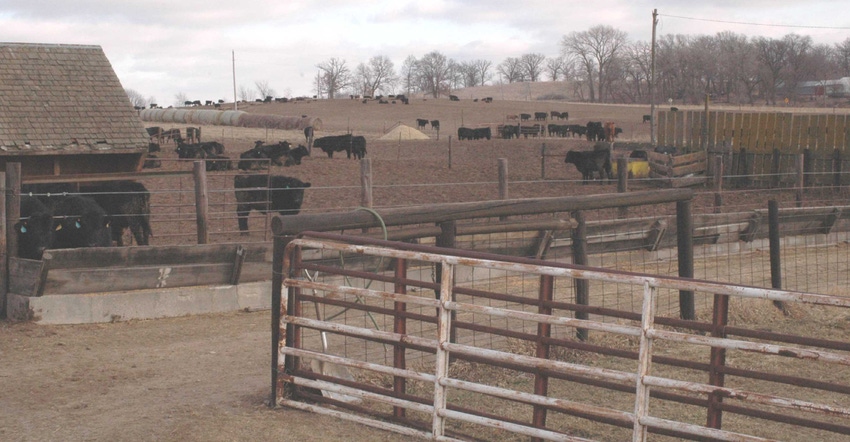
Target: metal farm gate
[{"x": 369, "y": 330}]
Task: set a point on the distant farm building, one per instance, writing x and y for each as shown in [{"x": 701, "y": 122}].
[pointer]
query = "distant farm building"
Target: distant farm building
[
  {"x": 831, "y": 88},
  {"x": 64, "y": 112}
]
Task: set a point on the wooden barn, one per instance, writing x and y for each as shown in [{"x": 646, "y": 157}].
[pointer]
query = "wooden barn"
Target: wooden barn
[{"x": 63, "y": 112}]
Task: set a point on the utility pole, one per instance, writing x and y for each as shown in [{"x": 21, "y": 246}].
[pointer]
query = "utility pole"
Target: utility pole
[
  {"x": 235, "y": 99},
  {"x": 652, "y": 81}
]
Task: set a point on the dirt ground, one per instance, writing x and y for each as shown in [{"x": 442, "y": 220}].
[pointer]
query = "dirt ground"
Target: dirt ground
[{"x": 208, "y": 377}]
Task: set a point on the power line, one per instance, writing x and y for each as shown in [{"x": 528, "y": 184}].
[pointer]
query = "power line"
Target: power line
[{"x": 755, "y": 24}]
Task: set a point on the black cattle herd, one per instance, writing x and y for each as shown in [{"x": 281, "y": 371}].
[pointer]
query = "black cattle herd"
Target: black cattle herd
[{"x": 58, "y": 216}]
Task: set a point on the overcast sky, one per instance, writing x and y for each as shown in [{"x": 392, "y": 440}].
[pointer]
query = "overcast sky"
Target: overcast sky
[{"x": 162, "y": 48}]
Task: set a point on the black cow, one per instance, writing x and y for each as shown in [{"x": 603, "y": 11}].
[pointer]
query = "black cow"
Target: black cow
[
  {"x": 264, "y": 193},
  {"x": 435, "y": 124},
  {"x": 588, "y": 162},
  {"x": 509, "y": 131},
  {"x": 352, "y": 145},
  {"x": 218, "y": 163},
  {"x": 481, "y": 132},
  {"x": 252, "y": 159},
  {"x": 540, "y": 116},
  {"x": 465, "y": 133},
  {"x": 453, "y": 98},
  {"x": 80, "y": 222},
  {"x": 295, "y": 155},
  {"x": 35, "y": 229},
  {"x": 647, "y": 118},
  {"x": 198, "y": 150},
  {"x": 421, "y": 123},
  {"x": 595, "y": 131},
  {"x": 524, "y": 117},
  {"x": 127, "y": 203}
]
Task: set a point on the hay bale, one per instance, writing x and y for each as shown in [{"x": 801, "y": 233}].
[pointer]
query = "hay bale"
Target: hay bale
[
  {"x": 207, "y": 117},
  {"x": 168, "y": 115},
  {"x": 179, "y": 116},
  {"x": 231, "y": 118}
]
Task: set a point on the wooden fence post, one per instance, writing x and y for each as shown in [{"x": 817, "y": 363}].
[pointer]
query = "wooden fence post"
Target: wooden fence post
[
  {"x": 685, "y": 242},
  {"x": 543, "y": 161},
  {"x": 622, "y": 184},
  {"x": 199, "y": 173},
  {"x": 580, "y": 258},
  {"x": 450, "y": 151},
  {"x": 12, "y": 212},
  {"x": 775, "y": 258},
  {"x": 366, "y": 182},
  {"x": 718, "y": 183},
  {"x": 808, "y": 167},
  {"x": 799, "y": 165},
  {"x": 836, "y": 168},
  {"x": 503, "y": 178},
  {"x": 776, "y": 169}
]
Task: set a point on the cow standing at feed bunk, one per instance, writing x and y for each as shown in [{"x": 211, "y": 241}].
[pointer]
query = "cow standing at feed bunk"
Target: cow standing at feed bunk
[
  {"x": 80, "y": 222},
  {"x": 127, "y": 203},
  {"x": 35, "y": 229},
  {"x": 264, "y": 194},
  {"x": 589, "y": 162}
]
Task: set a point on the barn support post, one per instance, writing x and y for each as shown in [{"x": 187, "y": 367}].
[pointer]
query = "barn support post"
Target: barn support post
[
  {"x": 775, "y": 250},
  {"x": 718, "y": 184},
  {"x": 544, "y": 332},
  {"x": 798, "y": 185},
  {"x": 622, "y": 184},
  {"x": 582, "y": 286},
  {"x": 199, "y": 173},
  {"x": 12, "y": 207},
  {"x": 5, "y": 251},
  {"x": 685, "y": 242},
  {"x": 400, "y": 327}
]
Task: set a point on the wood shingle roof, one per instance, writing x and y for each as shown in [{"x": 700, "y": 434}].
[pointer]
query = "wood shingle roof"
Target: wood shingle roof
[{"x": 64, "y": 99}]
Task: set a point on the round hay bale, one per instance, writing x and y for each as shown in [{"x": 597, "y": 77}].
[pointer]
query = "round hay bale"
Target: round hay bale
[
  {"x": 168, "y": 115},
  {"x": 207, "y": 117},
  {"x": 144, "y": 115},
  {"x": 231, "y": 118},
  {"x": 179, "y": 116},
  {"x": 306, "y": 122},
  {"x": 157, "y": 114}
]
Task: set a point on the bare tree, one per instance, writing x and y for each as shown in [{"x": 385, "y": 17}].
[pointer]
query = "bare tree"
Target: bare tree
[
  {"x": 842, "y": 57},
  {"x": 772, "y": 56},
  {"x": 596, "y": 49},
  {"x": 264, "y": 89},
  {"x": 335, "y": 76},
  {"x": 136, "y": 99},
  {"x": 481, "y": 68},
  {"x": 180, "y": 98},
  {"x": 511, "y": 70},
  {"x": 244, "y": 93},
  {"x": 378, "y": 75},
  {"x": 410, "y": 75},
  {"x": 532, "y": 66},
  {"x": 556, "y": 67},
  {"x": 435, "y": 70}
]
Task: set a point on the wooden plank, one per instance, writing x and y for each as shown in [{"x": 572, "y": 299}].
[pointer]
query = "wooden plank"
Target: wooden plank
[
  {"x": 829, "y": 136},
  {"x": 786, "y": 123},
  {"x": 678, "y": 160},
  {"x": 713, "y": 122},
  {"x": 770, "y": 136},
  {"x": 688, "y": 181},
  {"x": 141, "y": 256},
  {"x": 680, "y": 129},
  {"x": 24, "y": 276},
  {"x": 840, "y": 132},
  {"x": 691, "y": 168},
  {"x": 98, "y": 280},
  {"x": 760, "y": 140},
  {"x": 661, "y": 133},
  {"x": 692, "y": 133},
  {"x": 738, "y": 132},
  {"x": 796, "y": 134}
]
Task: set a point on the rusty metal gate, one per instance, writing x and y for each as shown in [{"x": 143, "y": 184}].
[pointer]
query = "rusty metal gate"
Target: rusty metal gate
[{"x": 393, "y": 335}]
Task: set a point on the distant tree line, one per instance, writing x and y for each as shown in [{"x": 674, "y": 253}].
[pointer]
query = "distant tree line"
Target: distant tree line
[{"x": 602, "y": 65}]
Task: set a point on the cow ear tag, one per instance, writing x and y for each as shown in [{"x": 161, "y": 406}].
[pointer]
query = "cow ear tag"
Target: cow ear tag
[
  {"x": 58, "y": 227},
  {"x": 77, "y": 224},
  {"x": 23, "y": 229}
]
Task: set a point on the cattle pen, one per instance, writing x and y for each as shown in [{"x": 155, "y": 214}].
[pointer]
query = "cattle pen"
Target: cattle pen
[{"x": 516, "y": 347}]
